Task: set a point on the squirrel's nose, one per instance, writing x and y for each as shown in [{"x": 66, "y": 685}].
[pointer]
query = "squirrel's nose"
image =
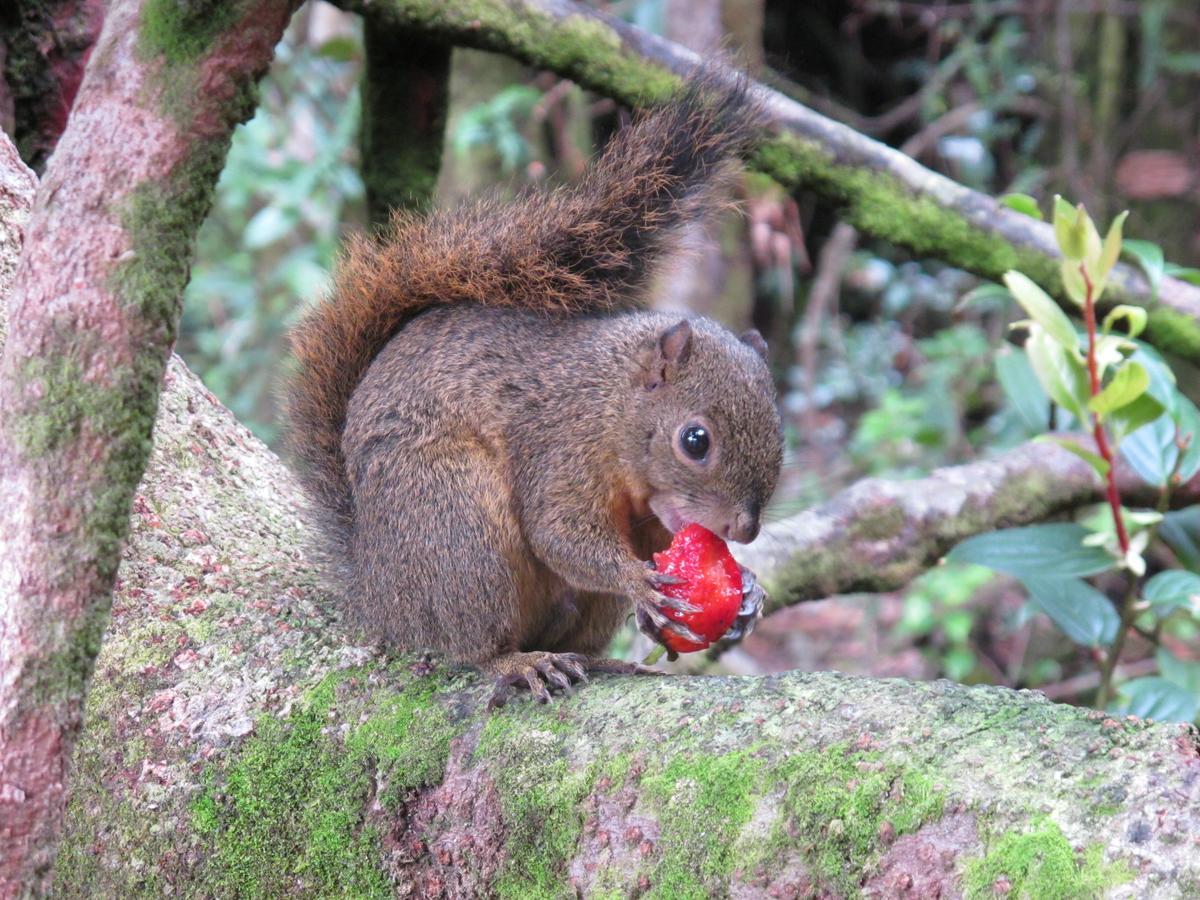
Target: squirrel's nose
[{"x": 743, "y": 529}]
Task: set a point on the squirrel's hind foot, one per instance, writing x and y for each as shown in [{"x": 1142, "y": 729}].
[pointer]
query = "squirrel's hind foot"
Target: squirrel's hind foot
[{"x": 542, "y": 673}]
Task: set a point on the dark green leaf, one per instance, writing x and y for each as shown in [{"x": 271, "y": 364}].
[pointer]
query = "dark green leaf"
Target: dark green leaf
[
  {"x": 1187, "y": 427},
  {"x": 1151, "y": 452},
  {"x": 1181, "y": 530},
  {"x": 1183, "y": 672},
  {"x": 1084, "y": 614},
  {"x": 1159, "y": 699},
  {"x": 1171, "y": 590},
  {"x": 1045, "y": 551},
  {"x": 1149, "y": 257},
  {"x": 1021, "y": 387},
  {"x": 1183, "y": 273}
]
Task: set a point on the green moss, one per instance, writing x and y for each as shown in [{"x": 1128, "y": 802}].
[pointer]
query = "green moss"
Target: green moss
[
  {"x": 835, "y": 804},
  {"x": 1174, "y": 332},
  {"x": 706, "y": 800},
  {"x": 183, "y": 30},
  {"x": 1041, "y": 865},
  {"x": 291, "y": 811}
]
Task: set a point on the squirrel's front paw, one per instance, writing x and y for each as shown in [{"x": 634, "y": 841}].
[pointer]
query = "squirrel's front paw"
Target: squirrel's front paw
[
  {"x": 650, "y": 604},
  {"x": 753, "y": 597}
]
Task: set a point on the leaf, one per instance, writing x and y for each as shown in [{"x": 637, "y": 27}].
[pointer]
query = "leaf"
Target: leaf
[
  {"x": 987, "y": 291},
  {"x": 1151, "y": 452},
  {"x": 1173, "y": 589},
  {"x": 1073, "y": 283},
  {"x": 267, "y": 226},
  {"x": 1149, "y": 257},
  {"x": 1158, "y": 699},
  {"x": 1054, "y": 550},
  {"x": 1134, "y": 316},
  {"x": 1187, "y": 429},
  {"x": 1059, "y": 372},
  {"x": 1183, "y": 273},
  {"x": 1042, "y": 309},
  {"x": 1020, "y": 386},
  {"x": 1182, "y": 672},
  {"x": 1022, "y": 203},
  {"x": 1097, "y": 462},
  {"x": 1132, "y": 416},
  {"x": 1084, "y": 614},
  {"x": 1181, "y": 530},
  {"x": 1070, "y": 239},
  {"x": 1129, "y": 383},
  {"x": 1112, "y": 246}
]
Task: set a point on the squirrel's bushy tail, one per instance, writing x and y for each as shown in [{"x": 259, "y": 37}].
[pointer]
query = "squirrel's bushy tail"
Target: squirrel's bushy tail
[{"x": 586, "y": 247}]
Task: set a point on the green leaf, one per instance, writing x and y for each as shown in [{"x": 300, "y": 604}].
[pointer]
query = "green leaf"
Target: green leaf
[
  {"x": 1129, "y": 383},
  {"x": 1054, "y": 550},
  {"x": 986, "y": 291},
  {"x": 1059, "y": 372},
  {"x": 1181, "y": 531},
  {"x": 1173, "y": 589},
  {"x": 1097, "y": 462},
  {"x": 1084, "y": 614},
  {"x": 1092, "y": 246},
  {"x": 1020, "y": 386},
  {"x": 1149, "y": 257},
  {"x": 1182, "y": 672},
  {"x": 1112, "y": 246},
  {"x": 1151, "y": 452},
  {"x": 1070, "y": 239},
  {"x": 1158, "y": 699},
  {"x": 1042, "y": 309},
  {"x": 1022, "y": 203},
  {"x": 1187, "y": 426},
  {"x": 1132, "y": 416},
  {"x": 1183, "y": 273},
  {"x": 1073, "y": 283},
  {"x": 1134, "y": 316}
]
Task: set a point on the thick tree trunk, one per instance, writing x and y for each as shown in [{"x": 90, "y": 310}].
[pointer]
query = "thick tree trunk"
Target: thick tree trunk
[
  {"x": 93, "y": 314},
  {"x": 239, "y": 744}
]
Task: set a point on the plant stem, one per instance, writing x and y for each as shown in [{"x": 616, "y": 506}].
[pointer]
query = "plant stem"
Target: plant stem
[{"x": 1114, "y": 498}]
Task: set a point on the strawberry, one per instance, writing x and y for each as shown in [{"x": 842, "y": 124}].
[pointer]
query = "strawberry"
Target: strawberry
[{"x": 711, "y": 580}]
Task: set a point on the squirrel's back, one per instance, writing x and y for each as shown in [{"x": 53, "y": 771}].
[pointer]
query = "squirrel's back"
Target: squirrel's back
[{"x": 584, "y": 248}]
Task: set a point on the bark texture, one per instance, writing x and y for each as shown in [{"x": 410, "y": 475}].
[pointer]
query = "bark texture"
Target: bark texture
[
  {"x": 93, "y": 312},
  {"x": 239, "y": 743},
  {"x": 875, "y": 187}
]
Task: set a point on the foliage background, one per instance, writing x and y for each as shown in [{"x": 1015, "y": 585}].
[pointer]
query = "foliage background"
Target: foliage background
[{"x": 887, "y": 374}]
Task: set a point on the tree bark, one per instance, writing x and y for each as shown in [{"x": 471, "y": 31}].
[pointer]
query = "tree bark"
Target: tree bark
[
  {"x": 239, "y": 743},
  {"x": 93, "y": 310},
  {"x": 405, "y": 93},
  {"x": 875, "y": 188}
]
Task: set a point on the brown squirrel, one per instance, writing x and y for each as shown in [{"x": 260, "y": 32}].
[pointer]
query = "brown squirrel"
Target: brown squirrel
[{"x": 494, "y": 451}]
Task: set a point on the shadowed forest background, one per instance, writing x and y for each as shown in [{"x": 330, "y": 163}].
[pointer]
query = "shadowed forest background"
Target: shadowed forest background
[{"x": 882, "y": 368}]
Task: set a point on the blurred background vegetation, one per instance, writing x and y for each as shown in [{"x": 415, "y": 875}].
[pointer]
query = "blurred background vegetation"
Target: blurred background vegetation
[{"x": 882, "y": 369}]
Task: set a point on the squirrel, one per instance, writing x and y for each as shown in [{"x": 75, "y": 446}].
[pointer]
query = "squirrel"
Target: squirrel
[{"x": 494, "y": 437}]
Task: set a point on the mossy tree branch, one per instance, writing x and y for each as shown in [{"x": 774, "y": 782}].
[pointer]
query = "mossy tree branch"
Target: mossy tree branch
[
  {"x": 879, "y": 535},
  {"x": 93, "y": 314},
  {"x": 239, "y": 743},
  {"x": 405, "y": 94},
  {"x": 876, "y": 188}
]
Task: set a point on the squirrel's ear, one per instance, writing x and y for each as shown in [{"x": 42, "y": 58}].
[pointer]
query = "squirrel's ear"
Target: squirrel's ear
[
  {"x": 671, "y": 350},
  {"x": 752, "y": 338}
]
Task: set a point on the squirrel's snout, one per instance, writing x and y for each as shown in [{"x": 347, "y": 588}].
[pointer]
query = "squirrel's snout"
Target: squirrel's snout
[{"x": 743, "y": 528}]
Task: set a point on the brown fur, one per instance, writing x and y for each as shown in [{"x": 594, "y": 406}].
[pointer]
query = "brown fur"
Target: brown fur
[{"x": 485, "y": 449}]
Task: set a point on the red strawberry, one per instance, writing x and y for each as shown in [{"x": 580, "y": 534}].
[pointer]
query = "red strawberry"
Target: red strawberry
[{"x": 712, "y": 581}]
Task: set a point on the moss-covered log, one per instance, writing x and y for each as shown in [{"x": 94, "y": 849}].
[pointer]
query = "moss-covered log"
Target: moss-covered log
[
  {"x": 239, "y": 744},
  {"x": 93, "y": 313},
  {"x": 878, "y": 535},
  {"x": 876, "y": 188}
]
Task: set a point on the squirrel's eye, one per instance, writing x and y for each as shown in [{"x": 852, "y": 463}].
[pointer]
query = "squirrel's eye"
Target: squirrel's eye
[{"x": 694, "y": 441}]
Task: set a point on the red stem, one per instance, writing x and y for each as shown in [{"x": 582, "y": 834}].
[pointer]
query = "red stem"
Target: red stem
[{"x": 1114, "y": 498}]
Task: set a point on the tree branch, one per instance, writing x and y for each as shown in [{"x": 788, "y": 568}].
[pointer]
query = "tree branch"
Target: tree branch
[
  {"x": 93, "y": 314},
  {"x": 879, "y": 535},
  {"x": 875, "y": 188}
]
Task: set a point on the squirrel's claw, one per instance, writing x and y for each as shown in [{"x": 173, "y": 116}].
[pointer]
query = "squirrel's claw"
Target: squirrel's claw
[
  {"x": 753, "y": 597},
  {"x": 540, "y": 673},
  {"x": 653, "y": 622}
]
